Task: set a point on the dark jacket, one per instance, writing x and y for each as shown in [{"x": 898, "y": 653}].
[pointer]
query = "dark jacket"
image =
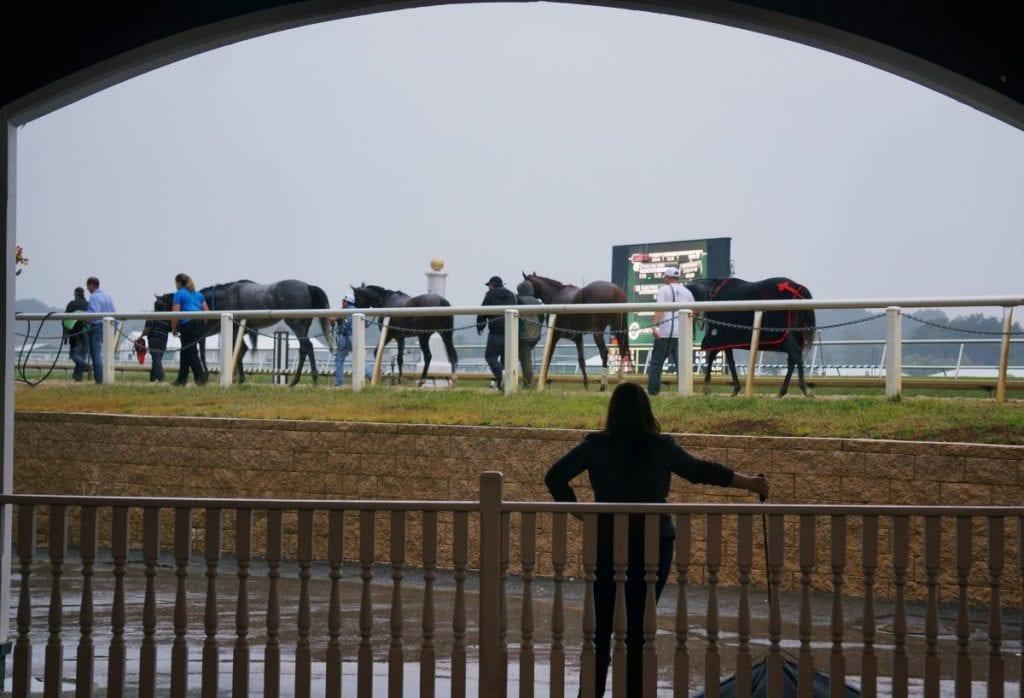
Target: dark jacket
[
  {"x": 643, "y": 475},
  {"x": 75, "y": 334},
  {"x": 529, "y": 325},
  {"x": 495, "y": 323}
]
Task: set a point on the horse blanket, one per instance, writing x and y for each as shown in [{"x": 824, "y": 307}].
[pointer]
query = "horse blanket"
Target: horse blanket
[{"x": 733, "y": 329}]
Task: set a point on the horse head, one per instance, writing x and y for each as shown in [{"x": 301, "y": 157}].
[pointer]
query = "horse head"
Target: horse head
[
  {"x": 702, "y": 288},
  {"x": 369, "y": 296},
  {"x": 162, "y": 303},
  {"x": 543, "y": 287}
]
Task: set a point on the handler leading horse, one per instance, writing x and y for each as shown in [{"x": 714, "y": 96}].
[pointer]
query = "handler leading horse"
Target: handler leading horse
[
  {"x": 789, "y": 331},
  {"x": 573, "y": 327}
]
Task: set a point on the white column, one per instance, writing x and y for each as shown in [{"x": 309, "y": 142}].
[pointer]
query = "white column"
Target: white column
[
  {"x": 510, "y": 376},
  {"x": 109, "y": 342},
  {"x": 893, "y": 353},
  {"x": 437, "y": 283},
  {"x": 684, "y": 354},
  {"x": 226, "y": 348},
  {"x": 358, "y": 351}
]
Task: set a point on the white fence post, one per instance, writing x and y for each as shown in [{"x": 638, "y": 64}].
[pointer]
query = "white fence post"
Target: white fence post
[
  {"x": 109, "y": 347},
  {"x": 755, "y": 340},
  {"x": 280, "y": 358},
  {"x": 510, "y": 374},
  {"x": 684, "y": 354},
  {"x": 226, "y": 348},
  {"x": 893, "y": 353},
  {"x": 358, "y": 351}
]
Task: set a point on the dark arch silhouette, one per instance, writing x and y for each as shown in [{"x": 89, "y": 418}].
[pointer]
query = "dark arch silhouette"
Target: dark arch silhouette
[{"x": 65, "y": 51}]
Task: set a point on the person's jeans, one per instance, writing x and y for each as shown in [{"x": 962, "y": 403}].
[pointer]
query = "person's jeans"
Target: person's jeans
[
  {"x": 96, "y": 350},
  {"x": 663, "y": 348},
  {"x": 191, "y": 333},
  {"x": 526, "y": 359},
  {"x": 344, "y": 348},
  {"x": 494, "y": 354},
  {"x": 156, "y": 371},
  {"x": 636, "y": 601},
  {"x": 78, "y": 347}
]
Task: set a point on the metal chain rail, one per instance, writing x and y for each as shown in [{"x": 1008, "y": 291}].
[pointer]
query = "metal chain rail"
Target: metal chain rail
[{"x": 989, "y": 333}]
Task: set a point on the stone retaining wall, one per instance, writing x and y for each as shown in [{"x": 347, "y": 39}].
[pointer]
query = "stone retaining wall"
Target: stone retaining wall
[{"x": 117, "y": 455}]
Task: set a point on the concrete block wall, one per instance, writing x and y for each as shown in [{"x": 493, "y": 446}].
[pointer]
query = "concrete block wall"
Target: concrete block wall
[{"x": 88, "y": 454}]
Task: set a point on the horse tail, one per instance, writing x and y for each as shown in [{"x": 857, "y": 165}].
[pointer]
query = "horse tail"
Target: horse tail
[
  {"x": 318, "y": 299},
  {"x": 446, "y": 328},
  {"x": 807, "y": 324}
]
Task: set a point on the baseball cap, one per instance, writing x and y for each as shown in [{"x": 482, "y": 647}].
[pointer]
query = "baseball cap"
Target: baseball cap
[
  {"x": 672, "y": 271},
  {"x": 495, "y": 281},
  {"x": 349, "y": 297}
]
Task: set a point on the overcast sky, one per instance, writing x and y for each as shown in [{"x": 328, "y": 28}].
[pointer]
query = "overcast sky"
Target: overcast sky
[{"x": 510, "y": 138}]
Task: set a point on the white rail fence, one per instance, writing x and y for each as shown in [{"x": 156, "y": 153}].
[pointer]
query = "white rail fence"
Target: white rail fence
[{"x": 893, "y": 351}]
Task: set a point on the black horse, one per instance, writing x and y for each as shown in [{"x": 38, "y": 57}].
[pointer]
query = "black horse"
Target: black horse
[
  {"x": 370, "y": 296},
  {"x": 789, "y": 331},
  {"x": 574, "y": 326},
  {"x": 289, "y": 294}
]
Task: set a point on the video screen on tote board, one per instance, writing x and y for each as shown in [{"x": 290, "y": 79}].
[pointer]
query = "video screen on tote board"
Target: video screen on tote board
[{"x": 640, "y": 268}]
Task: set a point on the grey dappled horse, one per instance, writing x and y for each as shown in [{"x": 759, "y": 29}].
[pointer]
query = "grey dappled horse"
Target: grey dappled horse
[
  {"x": 289, "y": 294},
  {"x": 421, "y": 327}
]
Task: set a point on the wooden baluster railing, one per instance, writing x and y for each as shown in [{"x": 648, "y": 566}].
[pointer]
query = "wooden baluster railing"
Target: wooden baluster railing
[
  {"x": 713, "y": 555},
  {"x": 932, "y": 560},
  {"x": 243, "y": 555},
  {"x": 396, "y": 665},
  {"x": 53, "y": 671},
  {"x": 588, "y": 662},
  {"x": 775, "y": 555},
  {"x": 837, "y": 660},
  {"x": 428, "y": 658},
  {"x": 179, "y": 648},
  {"x": 963, "y": 619},
  {"x": 505, "y": 558},
  {"x": 996, "y": 560},
  {"x": 460, "y": 558},
  {"x": 681, "y": 663},
  {"x": 272, "y": 651},
  {"x": 151, "y": 555},
  {"x": 118, "y": 653},
  {"x": 869, "y": 563},
  {"x": 367, "y": 554},
  {"x": 558, "y": 561},
  {"x": 900, "y": 562},
  {"x": 211, "y": 650},
  {"x": 744, "y": 563},
  {"x": 335, "y": 558},
  {"x": 805, "y": 661},
  {"x": 22, "y": 683},
  {"x": 528, "y": 557},
  {"x": 86, "y": 657},
  {"x": 652, "y": 540},
  {"x": 303, "y": 651},
  {"x": 620, "y": 559}
]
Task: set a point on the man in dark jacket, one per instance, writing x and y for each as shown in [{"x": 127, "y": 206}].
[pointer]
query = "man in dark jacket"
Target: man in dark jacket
[
  {"x": 76, "y": 332},
  {"x": 494, "y": 354},
  {"x": 529, "y": 331},
  {"x": 156, "y": 332}
]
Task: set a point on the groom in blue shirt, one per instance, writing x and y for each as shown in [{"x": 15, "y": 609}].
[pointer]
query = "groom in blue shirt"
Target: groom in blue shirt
[{"x": 99, "y": 302}]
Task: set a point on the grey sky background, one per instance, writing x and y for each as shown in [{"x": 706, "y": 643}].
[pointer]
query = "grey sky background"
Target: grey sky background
[{"x": 511, "y": 138}]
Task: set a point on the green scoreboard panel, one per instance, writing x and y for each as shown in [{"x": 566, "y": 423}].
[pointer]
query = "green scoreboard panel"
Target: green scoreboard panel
[{"x": 640, "y": 268}]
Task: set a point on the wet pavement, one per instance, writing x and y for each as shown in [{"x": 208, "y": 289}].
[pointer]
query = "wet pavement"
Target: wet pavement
[{"x": 444, "y": 598}]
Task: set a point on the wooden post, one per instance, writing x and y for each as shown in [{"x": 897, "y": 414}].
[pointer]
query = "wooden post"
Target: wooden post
[
  {"x": 491, "y": 671},
  {"x": 755, "y": 339},
  {"x": 549, "y": 348},
  {"x": 1004, "y": 354}
]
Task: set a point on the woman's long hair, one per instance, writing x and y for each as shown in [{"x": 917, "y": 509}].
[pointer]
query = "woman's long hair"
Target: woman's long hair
[
  {"x": 186, "y": 281},
  {"x": 631, "y": 424}
]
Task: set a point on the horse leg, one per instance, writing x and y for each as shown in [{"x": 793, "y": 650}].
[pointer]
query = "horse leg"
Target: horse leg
[
  {"x": 313, "y": 372},
  {"x": 302, "y": 360},
  {"x": 583, "y": 365},
  {"x": 602, "y": 349},
  {"x": 732, "y": 370},
  {"x": 795, "y": 359},
  {"x": 709, "y": 358},
  {"x": 427, "y": 356},
  {"x": 400, "y": 341},
  {"x": 453, "y": 356}
]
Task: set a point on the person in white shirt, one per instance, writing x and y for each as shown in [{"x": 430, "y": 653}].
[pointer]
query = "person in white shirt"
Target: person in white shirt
[{"x": 666, "y": 328}]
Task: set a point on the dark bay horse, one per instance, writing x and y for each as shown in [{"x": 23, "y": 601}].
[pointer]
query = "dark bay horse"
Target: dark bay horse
[
  {"x": 573, "y": 327},
  {"x": 421, "y": 327},
  {"x": 788, "y": 331},
  {"x": 289, "y": 294}
]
